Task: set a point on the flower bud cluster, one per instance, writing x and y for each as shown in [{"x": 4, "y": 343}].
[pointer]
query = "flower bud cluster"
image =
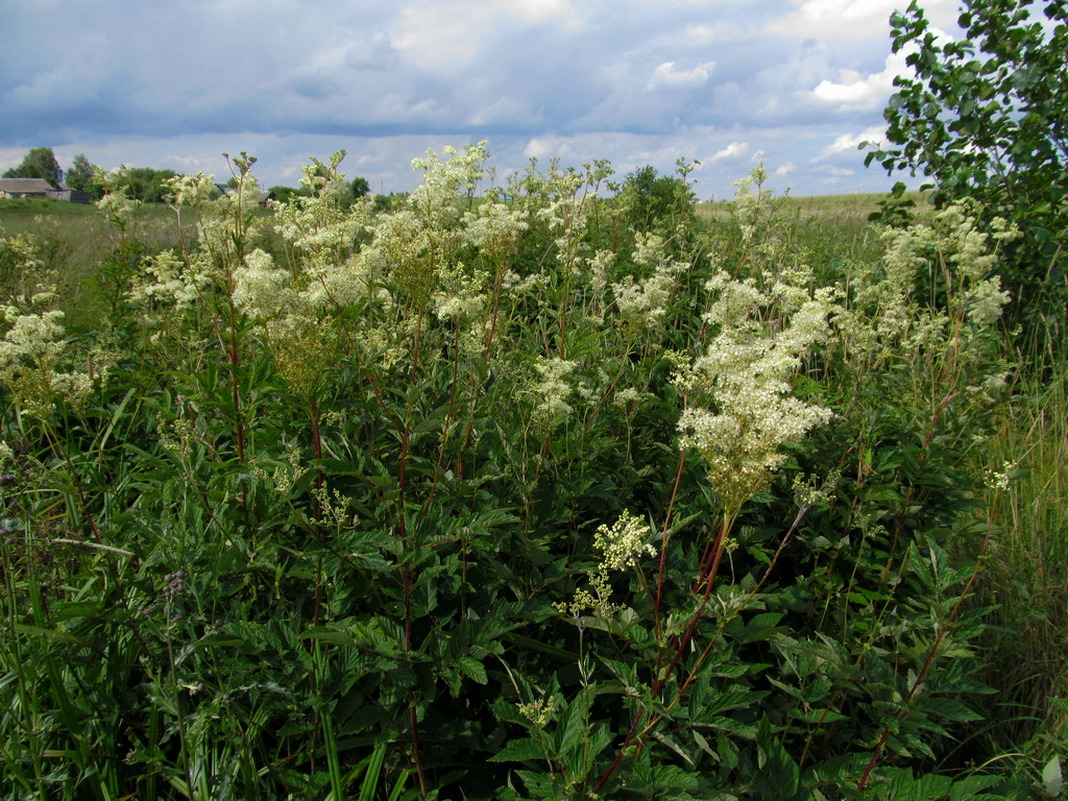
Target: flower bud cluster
[
  {"x": 623, "y": 542},
  {"x": 539, "y": 712},
  {"x": 620, "y": 545}
]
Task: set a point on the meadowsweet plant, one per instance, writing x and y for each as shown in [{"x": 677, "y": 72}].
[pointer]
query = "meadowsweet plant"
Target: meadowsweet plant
[
  {"x": 644, "y": 303},
  {"x": 742, "y": 413},
  {"x": 620, "y": 546},
  {"x": 527, "y": 490},
  {"x": 38, "y": 364}
]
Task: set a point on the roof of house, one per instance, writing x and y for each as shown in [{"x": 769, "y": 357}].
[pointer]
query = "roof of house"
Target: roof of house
[{"x": 25, "y": 185}]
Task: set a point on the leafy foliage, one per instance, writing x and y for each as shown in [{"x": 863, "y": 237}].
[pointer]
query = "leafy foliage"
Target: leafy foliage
[
  {"x": 986, "y": 117},
  {"x": 413, "y": 502},
  {"x": 40, "y": 162}
]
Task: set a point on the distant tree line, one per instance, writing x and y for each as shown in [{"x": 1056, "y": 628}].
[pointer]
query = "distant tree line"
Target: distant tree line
[{"x": 140, "y": 183}]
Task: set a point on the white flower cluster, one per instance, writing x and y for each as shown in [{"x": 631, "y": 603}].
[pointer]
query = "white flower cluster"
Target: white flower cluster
[
  {"x": 494, "y": 229},
  {"x": 744, "y": 382},
  {"x": 118, "y": 208},
  {"x": 261, "y": 289},
  {"x": 463, "y": 294},
  {"x": 600, "y": 266},
  {"x": 323, "y": 230},
  {"x": 1000, "y": 480},
  {"x": 886, "y": 319},
  {"x": 620, "y": 545},
  {"x": 643, "y": 304},
  {"x": 552, "y": 392},
  {"x": 168, "y": 282},
  {"x": 436, "y": 199},
  {"x": 623, "y": 542},
  {"x": 192, "y": 190},
  {"x": 753, "y": 210},
  {"x": 32, "y": 352},
  {"x": 36, "y": 283}
]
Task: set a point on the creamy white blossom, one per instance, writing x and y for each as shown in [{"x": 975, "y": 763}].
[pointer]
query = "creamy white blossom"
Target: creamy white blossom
[
  {"x": 551, "y": 394},
  {"x": 743, "y": 413}
]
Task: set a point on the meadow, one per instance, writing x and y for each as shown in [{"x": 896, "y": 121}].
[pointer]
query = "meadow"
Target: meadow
[{"x": 524, "y": 492}]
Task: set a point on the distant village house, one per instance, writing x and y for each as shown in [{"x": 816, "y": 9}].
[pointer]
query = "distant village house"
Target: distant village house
[{"x": 39, "y": 189}]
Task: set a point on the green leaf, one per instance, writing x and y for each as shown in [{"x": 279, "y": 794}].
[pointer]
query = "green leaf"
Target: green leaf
[
  {"x": 520, "y": 751},
  {"x": 473, "y": 669},
  {"x": 779, "y": 776}
]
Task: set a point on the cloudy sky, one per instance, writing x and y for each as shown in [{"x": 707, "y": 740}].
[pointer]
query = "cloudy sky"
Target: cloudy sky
[{"x": 173, "y": 84}]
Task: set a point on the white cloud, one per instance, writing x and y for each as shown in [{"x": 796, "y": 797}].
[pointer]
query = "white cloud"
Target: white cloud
[
  {"x": 667, "y": 75},
  {"x": 848, "y": 142},
  {"x": 542, "y": 147},
  {"x": 735, "y": 150},
  {"x": 542, "y": 9},
  {"x": 701, "y": 34},
  {"x": 853, "y": 90},
  {"x": 851, "y": 19},
  {"x": 633, "y": 81}
]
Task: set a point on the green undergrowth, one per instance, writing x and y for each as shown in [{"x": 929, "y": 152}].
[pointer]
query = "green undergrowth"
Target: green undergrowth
[{"x": 516, "y": 494}]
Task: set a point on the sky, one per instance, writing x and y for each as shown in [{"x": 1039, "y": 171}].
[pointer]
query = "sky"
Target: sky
[{"x": 174, "y": 84}]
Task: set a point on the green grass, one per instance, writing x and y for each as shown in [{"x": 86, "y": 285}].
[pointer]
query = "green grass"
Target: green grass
[
  {"x": 1026, "y": 573},
  {"x": 74, "y": 240}
]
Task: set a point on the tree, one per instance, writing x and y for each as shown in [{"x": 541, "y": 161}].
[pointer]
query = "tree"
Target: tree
[
  {"x": 142, "y": 183},
  {"x": 656, "y": 202},
  {"x": 285, "y": 194},
  {"x": 360, "y": 187},
  {"x": 82, "y": 175},
  {"x": 40, "y": 162},
  {"x": 986, "y": 117}
]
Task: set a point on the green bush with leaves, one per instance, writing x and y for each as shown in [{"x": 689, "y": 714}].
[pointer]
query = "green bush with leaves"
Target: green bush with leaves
[
  {"x": 489, "y": 495},
  {"x": 986, "y": 117}
]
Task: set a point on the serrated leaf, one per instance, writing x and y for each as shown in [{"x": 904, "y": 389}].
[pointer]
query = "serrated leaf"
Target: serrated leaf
[
  {"x": 473, "y": 669},
  {"x": 779, "y": 776},
  {"x": 519, "y": 751}
]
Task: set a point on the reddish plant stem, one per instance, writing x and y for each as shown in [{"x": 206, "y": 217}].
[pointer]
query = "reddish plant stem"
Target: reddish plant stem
[{"x": 708, "y": 576}]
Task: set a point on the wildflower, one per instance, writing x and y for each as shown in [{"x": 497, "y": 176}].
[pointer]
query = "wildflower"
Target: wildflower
[
  {"x": 620, "y": 545},
  {"x": 174, "y": 584},
  {"x": 168, "y": 280},
  {"x": 539, "y": 712},
  {"x": 462, "y": 296},
  {"x": 33, "y": 354},
  {"x": 190, "y": 190},
  {"x": 627, "y": 398},
  {"x": 745, "y": 376},
  {"x": 494, "y": 230},
  {"x": 1000, "y": 479},
  {"x": 623, "y": 542},
  {"x": 553, "y": 391},
  {"x": 262, "y": 290},
  {"x": 118, "y": 208},
  {"x": 643, "y": 304}
]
